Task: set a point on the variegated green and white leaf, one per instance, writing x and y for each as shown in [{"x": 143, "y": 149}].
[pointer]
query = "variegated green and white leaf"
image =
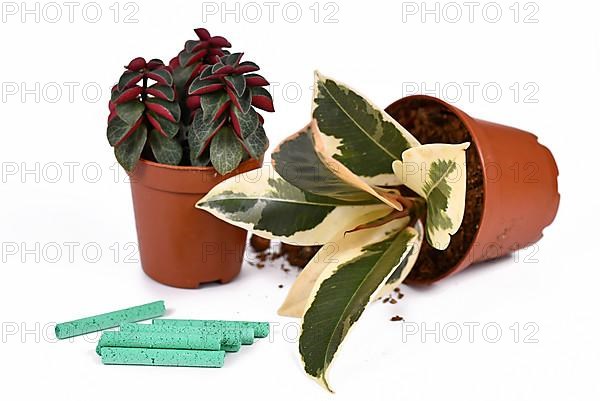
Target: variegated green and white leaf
[
  {"x": 358, "y": 134},
  {"x": 403, "y": 270},
  {"x": 263, "y": 202},
  {"x": 296, "y": 300},
  {"x": 297, "y": 160},
  {"x": 364, "y": 260},
  {"x": 387, "y": 196},
  {"x": 437, "y": 172}
]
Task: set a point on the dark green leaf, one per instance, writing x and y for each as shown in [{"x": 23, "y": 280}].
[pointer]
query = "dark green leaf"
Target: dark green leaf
[
  {"x": 162, "y": 91},
  {"x": 237, "y": 82},
  {"x": 170, "y": 128},
  {"x": 203, "y": 160},
  {"x": 248, "y": 121},
  {"x": 216, "y": 67},
  {"x": 201, "y": 86},
  {"x": 114, "y": 94},
  {"x": 165, "y": 109},
  {"x": 190, "y": 44},
  {"x": 257, "y": 143},
  {"x": 117, "y": 130},
  {"x": 225, "y": 151},
  {"x": 232, "y": 59},
  {"x": 200, "y": 134},
  {"x": 212, "y": 103},
  {"x": 181, "y": 76},
  {"x": 128, "y": 79},
  {"x": 130, "y": 112},
  {"x": 245, "y": 101},
  {"x": 246, "y": 66},
  {"x": 165, "y": 150},
  {"x": 128, "y": 153},
  {"x": 162, "y": 76},
  {"x": 206, "y": 72}
]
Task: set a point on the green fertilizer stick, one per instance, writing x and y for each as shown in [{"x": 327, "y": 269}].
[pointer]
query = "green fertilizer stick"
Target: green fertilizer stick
[
  {"x": 108, "y": 320},
  {"x": 162, "y": 357},
  {"x": 261, "y": 329},
  {"x": 204, "y": 341},
  {"x": 232, "y": 339}
]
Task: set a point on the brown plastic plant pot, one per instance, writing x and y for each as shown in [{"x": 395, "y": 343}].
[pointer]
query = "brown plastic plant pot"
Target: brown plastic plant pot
[
  {"x": 512, "y": 189},
  {"x": 180, "y": 245}
]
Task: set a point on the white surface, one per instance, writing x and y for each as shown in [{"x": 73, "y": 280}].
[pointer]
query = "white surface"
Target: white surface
[{"x": 371, "y": 48}]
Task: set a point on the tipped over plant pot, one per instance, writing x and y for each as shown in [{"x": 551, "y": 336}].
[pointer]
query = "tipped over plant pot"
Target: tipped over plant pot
[
  {"x": 179, "y": 130},
  {"x": 357, "y": 183},
  {"x": 512, "y": 189}
]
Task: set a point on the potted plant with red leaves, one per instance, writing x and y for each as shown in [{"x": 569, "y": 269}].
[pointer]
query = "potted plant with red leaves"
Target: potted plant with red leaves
[{"x": 179, "y": 130}]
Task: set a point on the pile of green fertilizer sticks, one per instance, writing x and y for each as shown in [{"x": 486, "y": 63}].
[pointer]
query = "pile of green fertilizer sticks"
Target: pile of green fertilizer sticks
[{"x": 165, "y": 342}]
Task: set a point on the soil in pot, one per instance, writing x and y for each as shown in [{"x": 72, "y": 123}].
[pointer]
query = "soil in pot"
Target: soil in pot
[{"x": 431, "y": 123}]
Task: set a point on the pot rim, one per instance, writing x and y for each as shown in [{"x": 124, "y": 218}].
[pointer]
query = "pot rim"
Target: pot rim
[
  {"x": 207, "y": 169},
  {"x": 184, "y": 179}
]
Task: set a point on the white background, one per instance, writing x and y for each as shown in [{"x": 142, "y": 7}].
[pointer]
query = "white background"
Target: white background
[{"x": 383, "y": 50}]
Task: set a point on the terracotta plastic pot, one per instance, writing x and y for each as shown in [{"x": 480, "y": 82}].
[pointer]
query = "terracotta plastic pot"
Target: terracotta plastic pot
[
  {"x": 180, "y": 245},
  {"x": 520, "y": 189}
]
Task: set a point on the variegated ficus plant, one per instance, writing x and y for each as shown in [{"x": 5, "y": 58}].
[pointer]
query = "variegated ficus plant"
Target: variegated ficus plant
[
  {"x": 199, "y": 110},
  {"x": 358, "y": 181}
]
